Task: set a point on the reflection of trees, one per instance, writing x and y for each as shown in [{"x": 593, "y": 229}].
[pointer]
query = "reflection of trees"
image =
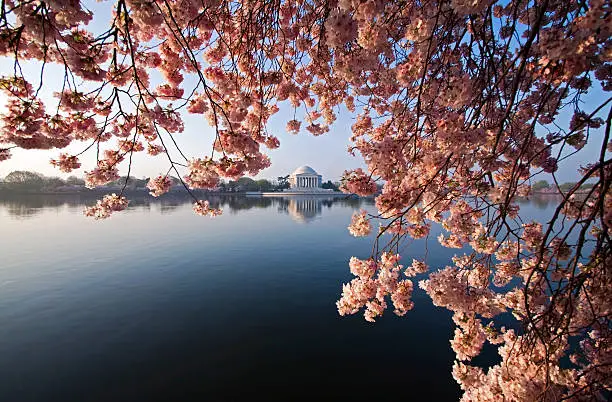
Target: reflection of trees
[
  {"x": 139, "y": 204},
  {"x": 302, "y": 208},
  {"x": 540, "y": 201},
  {"x": 22, "y": 211},
  {"x": 28, "y": 206},
  {"x": 240, "y": 203},
  {"x": 169, "y": 206}
]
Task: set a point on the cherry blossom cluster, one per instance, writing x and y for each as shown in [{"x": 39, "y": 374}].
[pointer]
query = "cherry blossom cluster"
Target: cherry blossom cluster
[
  {"x": 66, "y": 163},
  {"x": 103, "y": 174},
  {"x": 360, "y": 226},
  {"x": 106, "y": 206},
  {"x": 202, "y": 207},
  {"x": 358, "y": 182},
  {"x": 159, "y": 185},
  {"x": 376, "y": 281}
]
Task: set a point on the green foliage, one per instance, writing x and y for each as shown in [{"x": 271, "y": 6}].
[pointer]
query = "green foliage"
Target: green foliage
[
  {"x": 24, "y": 177},
  {"x": 565, "y": 187},
  {"x": 283, "y": 182},
  {"x": 586, "y": 186},
  {"x": 52, "y": 183},
  {"x": 75, "y": 181},
  {"x": 248, "y": 184},
  {"x": 24, "y": 181},
  {"x": 132, "y": 182},
  {"x": 36, "y": 182},
  {"x": 264, "y": 185},
  {"x": 540, "y": 185},
  {"x": 329, "y": 185}
]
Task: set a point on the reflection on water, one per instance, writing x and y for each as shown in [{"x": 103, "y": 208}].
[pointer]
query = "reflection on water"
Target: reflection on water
[
  {"x": 541, "y": 201},
  {"x": 25, "y": 206},
  {"x": 301, "y": 208},
  {"x": 305, "y": 209}
]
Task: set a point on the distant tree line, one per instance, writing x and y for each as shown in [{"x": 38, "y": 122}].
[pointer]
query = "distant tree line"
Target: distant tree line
[
  {"x": 23, "y": 180},
  {"x": 34, "y": 182},
  {"x": 27, "y": 181},
  {"x": 542, "y": 186}
]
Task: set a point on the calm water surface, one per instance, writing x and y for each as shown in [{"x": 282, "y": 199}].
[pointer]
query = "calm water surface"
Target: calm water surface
[{"x": 159, "y": 304}]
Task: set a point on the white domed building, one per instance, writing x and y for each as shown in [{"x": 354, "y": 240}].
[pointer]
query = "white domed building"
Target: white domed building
[{"x": 305, "y": 178}]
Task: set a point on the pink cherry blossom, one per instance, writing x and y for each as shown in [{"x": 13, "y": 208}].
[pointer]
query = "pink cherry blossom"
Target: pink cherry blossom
[
  {"x": 66, "y": 163},
  {"x": 159, "y": 185},
  {"x": 358, "y": 182},
  {"x": 360, "y": 226},
  {"x": 203, "y": 208},
  {"x": 293, "y": 126},
  {"x": 105, "y": 207}
]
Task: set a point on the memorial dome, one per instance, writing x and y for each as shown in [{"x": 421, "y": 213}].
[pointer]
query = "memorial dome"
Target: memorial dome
[{"x": 304, "y": 170}]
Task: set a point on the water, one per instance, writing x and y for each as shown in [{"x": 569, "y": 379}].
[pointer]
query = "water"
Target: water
[{"x": 159, "y": 304}]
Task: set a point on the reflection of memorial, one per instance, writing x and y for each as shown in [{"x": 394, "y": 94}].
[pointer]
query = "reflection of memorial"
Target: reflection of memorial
[{"x": 304, "y": 209}]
